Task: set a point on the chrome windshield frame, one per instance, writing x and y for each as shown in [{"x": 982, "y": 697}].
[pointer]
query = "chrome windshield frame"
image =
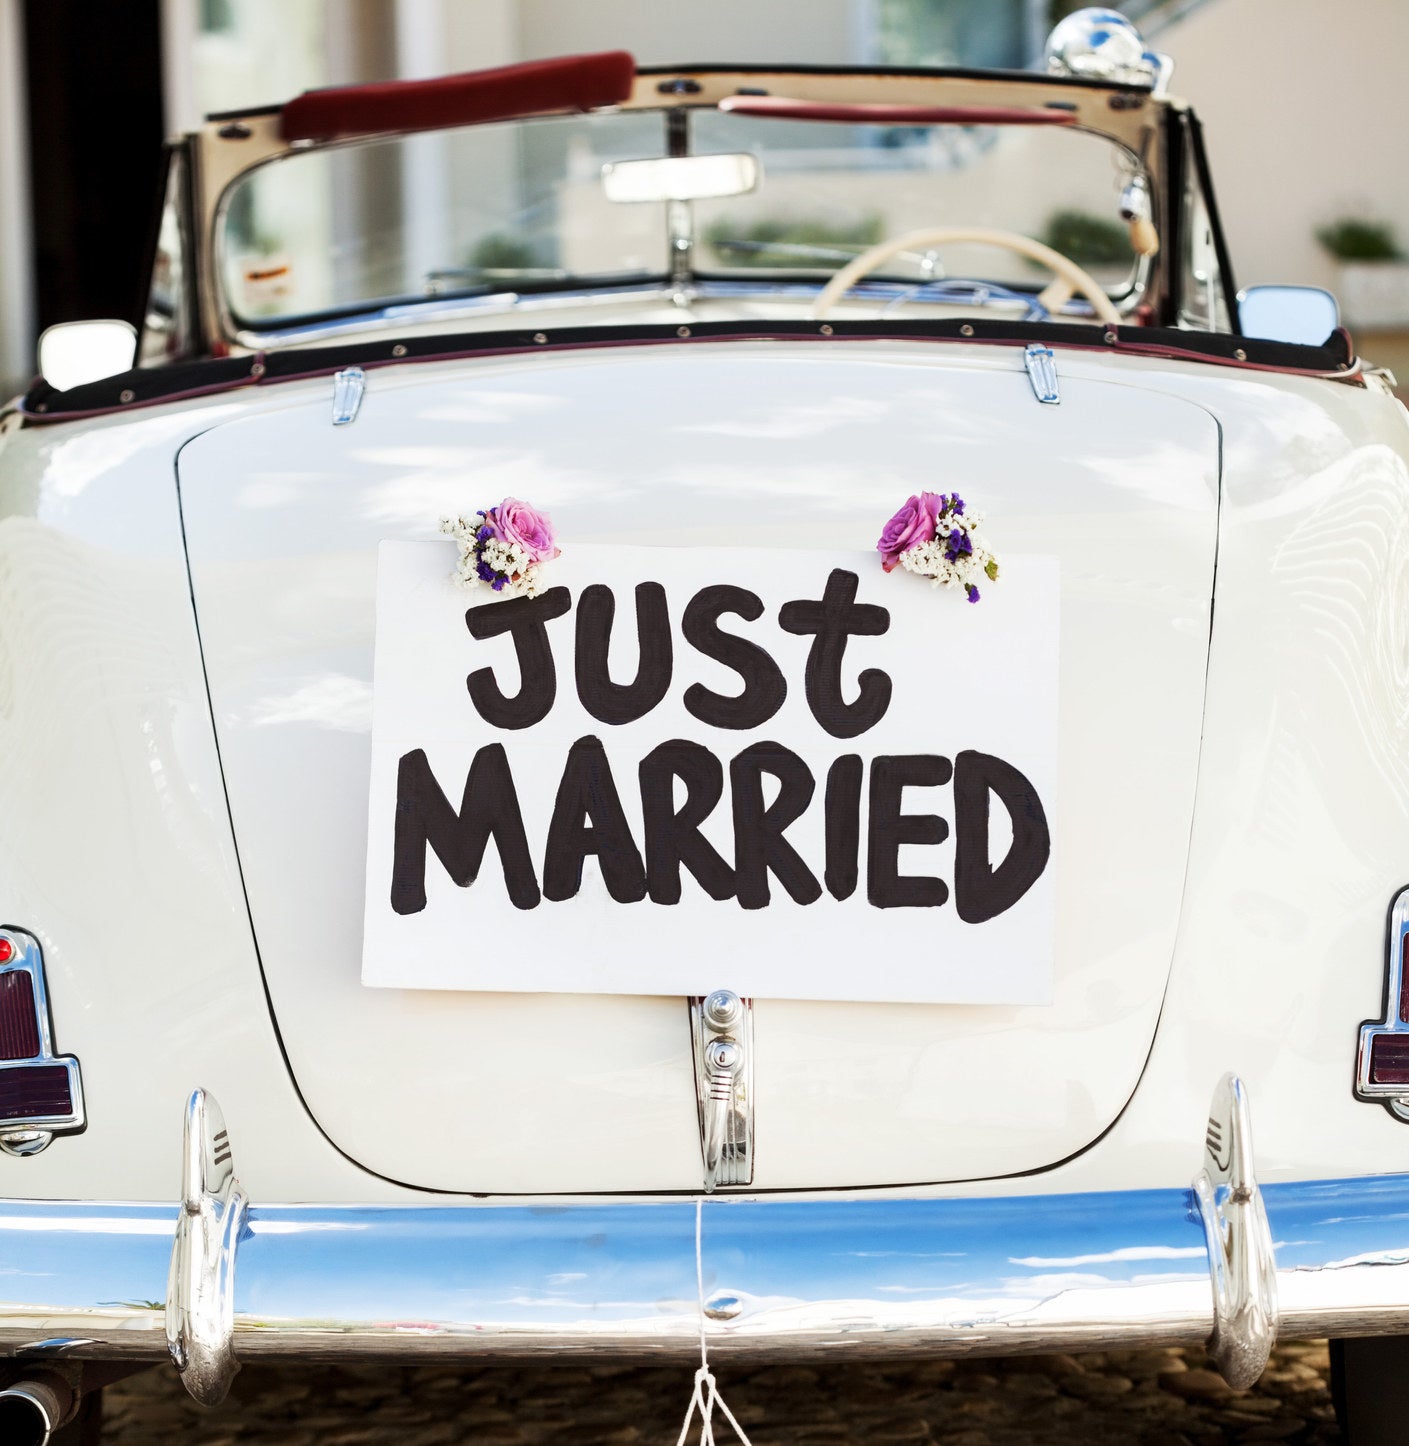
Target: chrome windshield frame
[{"x": 230, "y": 147}]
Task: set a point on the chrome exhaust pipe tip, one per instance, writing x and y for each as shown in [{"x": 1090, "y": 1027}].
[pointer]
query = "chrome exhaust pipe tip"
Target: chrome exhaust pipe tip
[{"x": 31, "y": 1411}]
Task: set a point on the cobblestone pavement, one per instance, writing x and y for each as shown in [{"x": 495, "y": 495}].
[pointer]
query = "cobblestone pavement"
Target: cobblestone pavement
[{"x": 1159, "y": 1398}]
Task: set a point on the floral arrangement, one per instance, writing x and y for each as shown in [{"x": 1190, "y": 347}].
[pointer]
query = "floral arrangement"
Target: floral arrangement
[
  {"x": 503, "y": 547},
  {"x": 934, "y": 535}
]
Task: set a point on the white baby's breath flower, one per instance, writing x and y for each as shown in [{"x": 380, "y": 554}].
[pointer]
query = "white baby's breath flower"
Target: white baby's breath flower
[
  {"x": 509, "y": 563},
  {"x": 967, "y": 570}
]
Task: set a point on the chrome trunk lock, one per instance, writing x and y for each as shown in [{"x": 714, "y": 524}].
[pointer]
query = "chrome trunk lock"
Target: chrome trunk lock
[{"x": 721, "y": 1030}]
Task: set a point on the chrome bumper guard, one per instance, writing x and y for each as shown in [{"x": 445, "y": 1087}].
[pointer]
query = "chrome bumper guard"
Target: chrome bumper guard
[{"x": 219, "y": 1279}]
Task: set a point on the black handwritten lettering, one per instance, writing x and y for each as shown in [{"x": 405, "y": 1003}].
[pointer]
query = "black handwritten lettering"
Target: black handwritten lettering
[
  {"x": 588, "y": 819},
  {"x": 765, "y": 688},
  {"x": 682, "y": 782},
  {"x": 526, "y": 619},
  {"x": 673, "y": 836},
  {"x": 832, "y": 620},
  {"x": 610, "y": 702},
  {"x": 843, "y": 820},
  {"x": 489, "y": 809},
  {"x": 980, "y": 890},
  {"x": 891, "y": 775},
  {"x": 759, "y": 845}
]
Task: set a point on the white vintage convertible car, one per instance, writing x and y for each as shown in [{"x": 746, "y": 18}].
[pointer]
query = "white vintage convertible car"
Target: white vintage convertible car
[{"x": 498, "y": 861}]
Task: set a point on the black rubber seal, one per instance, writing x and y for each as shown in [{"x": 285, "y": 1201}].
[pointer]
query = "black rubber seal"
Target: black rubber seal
[{"x": 145, "y": 386}]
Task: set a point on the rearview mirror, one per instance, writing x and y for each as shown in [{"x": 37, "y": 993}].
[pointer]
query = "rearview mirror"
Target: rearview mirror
[
  {"x": 76, "y": 352},
  {"x": 681, "y": 178},
  {"x": 1306, "y": 315}
]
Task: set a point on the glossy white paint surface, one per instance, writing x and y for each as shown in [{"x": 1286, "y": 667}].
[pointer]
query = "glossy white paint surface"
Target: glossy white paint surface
[
  {"x": 793, "y": 447},
  {"x": 115, "y": 848},
  {"x": 1302, "y": 824}
]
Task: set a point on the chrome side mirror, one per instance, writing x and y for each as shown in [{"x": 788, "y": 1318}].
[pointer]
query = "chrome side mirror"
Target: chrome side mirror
[
  {"x": 1306, "y": 315},
  {"x": 76, "y": 352},
  {"x": 681, "y": 178}
]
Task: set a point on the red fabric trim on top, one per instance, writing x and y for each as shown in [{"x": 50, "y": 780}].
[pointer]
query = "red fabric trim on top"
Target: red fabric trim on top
[
  {"x": 568, "y": 83},
  {"x": 869, "y": 113}
]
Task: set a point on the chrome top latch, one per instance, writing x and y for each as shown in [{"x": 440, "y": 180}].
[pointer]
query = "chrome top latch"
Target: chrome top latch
[
  {"x": 1042, "y": 372},
  {"x": 1241, "y": 1258},
  {"x": 200, "y": 1288},
  {"x": 348, "y": 387},
  {"x": 721, "y": 1029}
]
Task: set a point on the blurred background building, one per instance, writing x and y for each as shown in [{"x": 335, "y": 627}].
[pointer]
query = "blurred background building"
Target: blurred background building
[{"x": 1303, "y": 102}]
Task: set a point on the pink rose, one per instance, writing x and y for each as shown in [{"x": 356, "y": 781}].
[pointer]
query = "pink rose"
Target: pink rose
[
  {"x": 532, "y": 530},
  {"x": 913, "y": 524}
]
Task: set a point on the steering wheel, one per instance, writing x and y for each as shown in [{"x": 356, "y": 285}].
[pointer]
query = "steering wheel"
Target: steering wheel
[{"x": 1068, "y": 277}]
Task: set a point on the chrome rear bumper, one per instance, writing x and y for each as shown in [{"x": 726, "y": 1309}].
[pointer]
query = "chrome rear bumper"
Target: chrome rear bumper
[
  {"x": 782, "y": 1277},
  {"x": 218, "y": 1279}
]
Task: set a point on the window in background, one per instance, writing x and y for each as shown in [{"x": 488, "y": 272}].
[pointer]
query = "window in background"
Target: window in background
[{"x": 1002, "y": 34}]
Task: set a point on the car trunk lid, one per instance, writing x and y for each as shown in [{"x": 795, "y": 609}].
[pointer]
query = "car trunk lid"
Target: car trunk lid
[{"x": 775, "y": 444}]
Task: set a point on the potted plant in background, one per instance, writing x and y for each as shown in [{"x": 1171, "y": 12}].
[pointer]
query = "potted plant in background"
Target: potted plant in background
[{"x": 1374, "y": 273}]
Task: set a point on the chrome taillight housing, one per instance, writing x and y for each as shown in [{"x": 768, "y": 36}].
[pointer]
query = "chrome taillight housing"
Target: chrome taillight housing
[
  {"x": 41, "y": 1093},
  {"x": 1382, "y": 1065}
]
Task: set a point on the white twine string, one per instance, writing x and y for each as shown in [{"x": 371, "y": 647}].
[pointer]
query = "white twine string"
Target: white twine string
[{"x": 705, "y": 1396}]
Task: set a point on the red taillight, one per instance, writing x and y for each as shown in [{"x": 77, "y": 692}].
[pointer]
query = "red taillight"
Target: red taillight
[
  {"x": 39, "y": 1093},
  {"x": 1389, "y": 1059},
  {"x": 19, "y": 1024}
]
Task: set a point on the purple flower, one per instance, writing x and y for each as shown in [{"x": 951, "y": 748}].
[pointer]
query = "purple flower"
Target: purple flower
[
  {"x": 530, "y": 529},
  {"x": 484, "y": 571},
  {"x": 501, "y": 578},
  {"x": 956, "y": 505},
  {"x": 913, "y": 524},
  {"x": 485, "y": 534},
  {"x": 957, "y": 546},
  {"x": 973, "y": 592}
]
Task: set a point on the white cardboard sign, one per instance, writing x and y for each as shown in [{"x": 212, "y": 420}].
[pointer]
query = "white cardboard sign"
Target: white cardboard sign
[{"x": 782, "y": 772}]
